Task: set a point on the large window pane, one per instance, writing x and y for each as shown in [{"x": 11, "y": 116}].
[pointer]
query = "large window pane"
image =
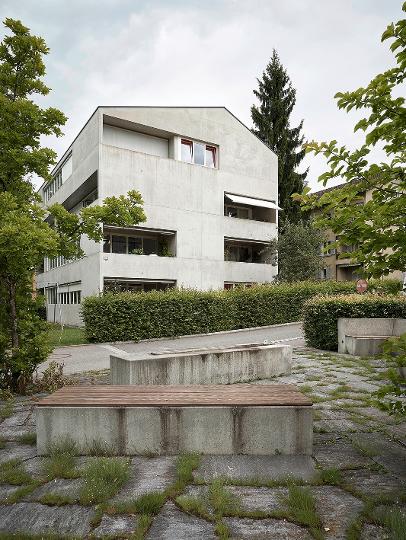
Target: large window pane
[
  {"x": 187, "y": 151},
  {"x": 119, "y": 244},
  {"x": 134, "y": 244},
  {"x": 199, "y": 151},
  {"x": 210, "y": 156},
  {"x": 150, "y": 246}
]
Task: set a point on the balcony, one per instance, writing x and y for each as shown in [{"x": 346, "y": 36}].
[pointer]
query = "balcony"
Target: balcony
[
  {"x": 139, "y": 241},
  {"x": 245, "y": 251},
  {"x": 242, "y": 207}
]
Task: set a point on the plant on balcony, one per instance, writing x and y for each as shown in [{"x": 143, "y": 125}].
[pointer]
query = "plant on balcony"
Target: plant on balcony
[
  {"x": 137, "y": 251},
  {"x": 164, "y": 251}
]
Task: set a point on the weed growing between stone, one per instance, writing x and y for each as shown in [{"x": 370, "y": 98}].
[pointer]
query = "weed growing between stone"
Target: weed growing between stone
[
  {"x": 222, "y": 500},
  {"x": 62, "y": 460},
  {"x": 148, "y": 504},
  {"x": 103, "y": 478},
  {"x": 54, "y": 499},
  {"x": 13, "y": 472},
  {"x": 301, "y": 508},
  {"x": 28, "y": 438},
  {"x": 99, "y": 448},
  {"x": 7, "y": 409}
]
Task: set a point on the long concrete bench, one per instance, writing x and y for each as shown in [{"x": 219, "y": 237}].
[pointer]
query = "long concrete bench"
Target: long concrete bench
[
  {"x": 209, "y": 366},
  {"x": 209, "y": 419},
  {"x": 365, "y": 336}
]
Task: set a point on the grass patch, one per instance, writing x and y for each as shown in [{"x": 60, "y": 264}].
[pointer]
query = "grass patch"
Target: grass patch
[
  {"x": 148, "y": 504},
  {"x": 53, "y": 499},
  {"x": 28, "y": 438},
  {"x": 222, "y": 531},
  {"x": 331, "y": 477},
  {"x": 21, "y": 492},
  {"x": 2, "y": 442},
  {"x": 68, "y": 335},
  {"x": 103, "y": 479},
  {"x": 185, "y": 466},
  {"x": 62, "y": 460},
  {"x": 301, "y": 508},
  {"x": 222, "y": 500},
  {"x": 394, "y": 520},
  {"x": 144, "y": 523},
  {"x": 13, "y": 472},
  {"x": 97, "y": 447},
  {"x": 194, "y": 505},
  {"x": 7, "y": 409}
]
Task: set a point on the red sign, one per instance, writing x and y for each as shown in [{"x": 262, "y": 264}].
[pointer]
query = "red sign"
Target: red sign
[{"x": 362, "y": 285}]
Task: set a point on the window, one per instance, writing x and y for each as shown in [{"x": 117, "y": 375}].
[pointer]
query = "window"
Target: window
[
  {"x": 198, "y": 153},
  {"x": 69, "y": 297},
  {"x": 119, "y": 285},
  {"x": 51, "y": 295},
  {"x": 58, "y": 178},
  {"x": 237, "y": 284},
  {"x": 136, "y": 245},
  {"x": 119, "y": 244},
  {"x": 244, "y": 253},
  {"x": 237, "y": 212},
  {"x": 187, "y": 151}
]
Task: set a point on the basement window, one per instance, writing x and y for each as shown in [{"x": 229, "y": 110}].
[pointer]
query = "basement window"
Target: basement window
[{"x": 198, "y": 153}]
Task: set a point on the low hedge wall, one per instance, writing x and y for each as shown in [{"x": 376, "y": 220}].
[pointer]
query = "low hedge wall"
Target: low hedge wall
[
  {"x": 176, "y": 312},
  {"x": 320, "y": 314}
]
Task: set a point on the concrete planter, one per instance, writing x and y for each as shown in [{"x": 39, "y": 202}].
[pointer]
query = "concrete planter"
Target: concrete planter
[{"x": 222, "y": 366}]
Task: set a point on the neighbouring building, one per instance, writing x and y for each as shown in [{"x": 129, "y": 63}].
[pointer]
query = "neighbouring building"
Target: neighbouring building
[
  {"x": 337, "y": 262},
  {"x": 210, "y": 191}
]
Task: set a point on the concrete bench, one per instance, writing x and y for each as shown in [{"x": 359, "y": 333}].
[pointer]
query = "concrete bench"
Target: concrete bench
[
  {"x": 209, "y": 366},
  {"x": 209, "y": 419},
  {"x": 365, "y": 336}
]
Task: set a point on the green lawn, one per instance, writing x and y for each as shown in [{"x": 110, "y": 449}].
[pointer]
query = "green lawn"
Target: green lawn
[{"x": 69, "y": 335}]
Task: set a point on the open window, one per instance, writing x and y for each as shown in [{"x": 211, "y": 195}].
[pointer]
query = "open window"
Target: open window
[{"x": 198, "y": 153}]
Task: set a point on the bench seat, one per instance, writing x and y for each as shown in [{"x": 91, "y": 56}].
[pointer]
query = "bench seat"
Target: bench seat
[{"x": 161, "y": 419}]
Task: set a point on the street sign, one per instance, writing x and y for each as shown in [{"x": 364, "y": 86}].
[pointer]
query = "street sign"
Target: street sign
[{"x": 362, "y": 285}]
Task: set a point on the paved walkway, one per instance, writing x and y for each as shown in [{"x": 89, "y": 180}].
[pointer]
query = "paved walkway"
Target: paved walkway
[
  {"x": 355, "y": 478},
  {"x": 96, "y": 357}
]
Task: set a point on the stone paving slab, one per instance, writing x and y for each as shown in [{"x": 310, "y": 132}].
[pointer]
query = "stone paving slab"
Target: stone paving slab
[
  {"x": 335, "y": 452},
  {"x": 147, "y": 475},
  {"x": 372, "y": 483},
  {"x": 59, "y": 487},
  {"x": 17, "y": 451},
  {"x": 390, "y": 454},
  {"x": 256, "y": 467},
  {"x": 40, "y": 519},
  {"x": 173, "y": 524},
  {"x": 265, "y": 529},
  {"x": 6, "y": 491},
  {"x": 115, "y": 525},
  {"x": 373, "y": 532},
  {"x": 337, "y": 509}
]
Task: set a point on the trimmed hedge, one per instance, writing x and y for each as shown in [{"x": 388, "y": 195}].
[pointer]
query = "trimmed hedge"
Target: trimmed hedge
[
  {"x": 320, "y": 315},
  {"x": 176, "y": 312}
]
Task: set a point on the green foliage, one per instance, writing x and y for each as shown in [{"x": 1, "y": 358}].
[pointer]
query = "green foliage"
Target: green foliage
[
  {"x": 301, "y": 507},
  {"x": 271, "y": 120},
  {"x": 320, "y": 314},
  {"x": 62, "y": 460},
  {"x": 103, "y": 478},
  {"x": 25, "y": 238},
  {"x": 377, "y": 228},
  {"x": 222, "y": 500},
  {"x": 392, "y": 397},
  {"x": 67, "y": 335},
  {"x": 135, "y": 316},
  {"x": 13, "y": 472},
  {"x": 297, "y": 252}
]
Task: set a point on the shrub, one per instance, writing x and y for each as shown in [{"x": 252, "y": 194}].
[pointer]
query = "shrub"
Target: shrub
[
  {"x": 135, "y": 316},
  {"x": 320, "y": 314}
]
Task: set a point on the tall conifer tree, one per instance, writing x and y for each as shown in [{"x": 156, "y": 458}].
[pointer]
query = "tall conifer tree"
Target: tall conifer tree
[{"x": 271, "y": 119}]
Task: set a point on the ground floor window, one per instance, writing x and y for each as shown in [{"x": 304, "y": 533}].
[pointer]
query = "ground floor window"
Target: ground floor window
[
  {"x": 123, "y": 285},
  {"x": 236, "y": 284},
  {"x": 70, "y": 297}
]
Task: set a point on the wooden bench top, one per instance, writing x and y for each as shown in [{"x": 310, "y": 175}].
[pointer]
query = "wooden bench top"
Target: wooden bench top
[{"x": 252, "y": 395}]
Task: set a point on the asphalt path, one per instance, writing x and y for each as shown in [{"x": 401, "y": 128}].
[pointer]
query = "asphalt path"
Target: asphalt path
[{"x": 96, "y": 357}]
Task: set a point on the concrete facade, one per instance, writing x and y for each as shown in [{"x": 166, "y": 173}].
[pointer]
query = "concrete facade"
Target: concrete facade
[
  {"x": 225, "y": 366},
  {"x": 174, "y": 430},
  {"x": 141, "y": 148}
]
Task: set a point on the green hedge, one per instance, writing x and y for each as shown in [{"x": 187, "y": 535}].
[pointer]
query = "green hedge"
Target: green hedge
[
  {"x": 135, "y": 316},
  {"x": 320, "y": 314}
]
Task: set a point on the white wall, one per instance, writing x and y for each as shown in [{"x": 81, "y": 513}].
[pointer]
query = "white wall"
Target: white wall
[{"x": 133, "y": 140}]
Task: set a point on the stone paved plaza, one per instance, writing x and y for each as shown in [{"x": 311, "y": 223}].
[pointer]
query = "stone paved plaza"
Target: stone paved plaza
[{"x": 353, "y": 486}]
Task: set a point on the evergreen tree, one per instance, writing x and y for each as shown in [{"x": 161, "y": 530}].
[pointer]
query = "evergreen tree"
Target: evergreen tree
[{"x": 277, "y": 98}]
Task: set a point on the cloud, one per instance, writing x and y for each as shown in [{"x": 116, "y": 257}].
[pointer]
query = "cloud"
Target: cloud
[{"x": 126, "y": 52}]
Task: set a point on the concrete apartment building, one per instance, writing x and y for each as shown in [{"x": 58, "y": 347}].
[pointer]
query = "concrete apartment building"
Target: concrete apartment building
[
  {"x": 337, "y": 262},
  {"x": 210, "y": 195}
]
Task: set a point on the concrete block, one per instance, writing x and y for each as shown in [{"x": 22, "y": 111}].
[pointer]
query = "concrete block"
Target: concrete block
[
  {"x": 221, "y": 366},
  {"x": 368, "y": 327},
  {"x": 254, "y": 430}
]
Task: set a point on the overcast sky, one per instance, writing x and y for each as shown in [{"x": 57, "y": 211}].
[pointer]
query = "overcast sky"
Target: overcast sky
[{"x": 189, "y": 52}]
